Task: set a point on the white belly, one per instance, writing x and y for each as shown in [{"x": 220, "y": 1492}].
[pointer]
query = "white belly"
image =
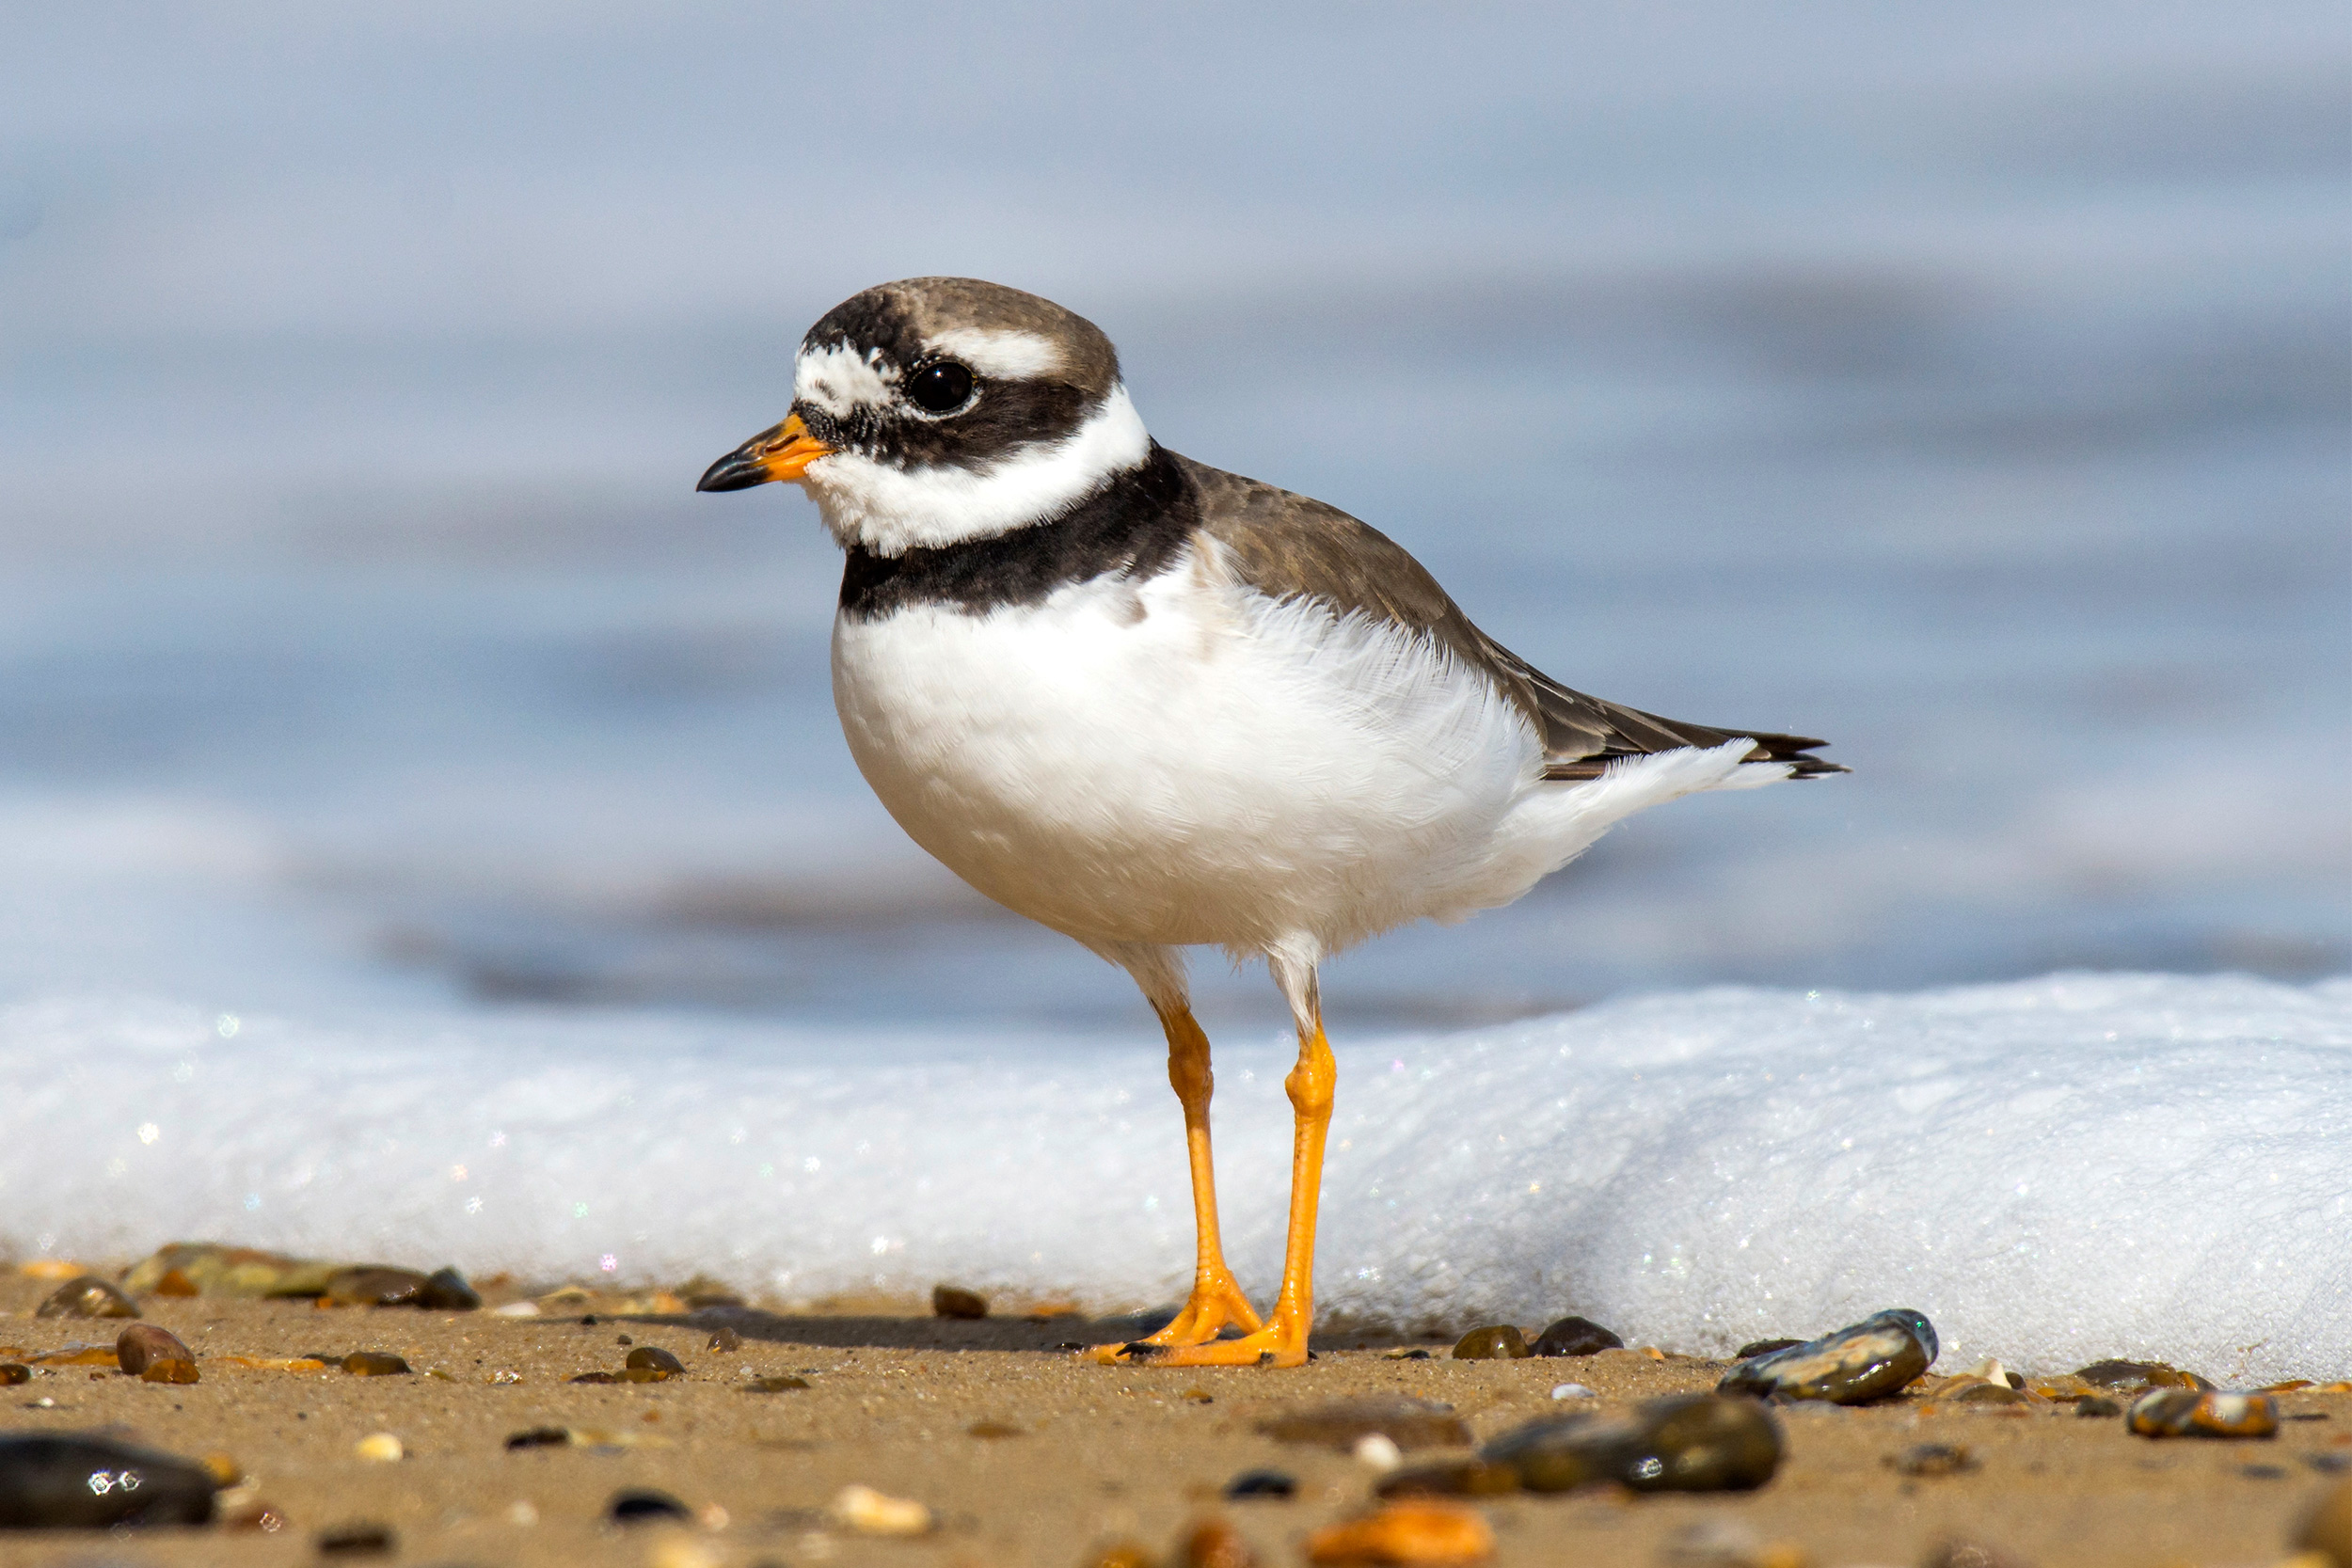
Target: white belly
[{"x": 1186, "y": 761}]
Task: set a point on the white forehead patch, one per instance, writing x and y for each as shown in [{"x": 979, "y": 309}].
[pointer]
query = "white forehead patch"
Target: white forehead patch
[
  {"x": 1006, "y": 353},
  {"x": 838, "y": 378}
]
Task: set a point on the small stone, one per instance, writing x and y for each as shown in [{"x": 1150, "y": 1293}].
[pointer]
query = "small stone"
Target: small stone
[
  {"x": 871, "y": 1513},
  {"x": 2097, "y": 1404},
  {"x": 1755, "y": 1348},
  {"x": 373, "y": 1284},
  {"x": 1449, "y": 1478},
  {"x": 726, "y": 1340},
  {"x": 540, "y": 1438},
  {"x": 170, "y": 1370},
  {"x": 1574, "y": 1335},
  {"x": 362, "y": 1539},
  {"x": 990, "y": 1431},
  {"x": 954, "y": 1301},
  {"x": 175, "y": 1282},
  {"x": 215, "y": 1269},
  {"x": 1262, "y": 1484},
  {"x": 2263, "y": 1472},
  {"x": 1413, "y": 1353},
  {"x": 1572, "y": 1391},
  {"x": 2328, "y": 1464},
  {"x": 2065, "y": 1388},
  {"x": 1683, "y": 1443},
  {"x": 1377, "y": 1451},
  {"x": 653, "y": 1359},
  {"x": 1728, "y": 1544},
  {"x": 86, "y": 1297},
  {"x": 1988, "y": 1393},
  {"x": 86, "y": 1482},
  {"x": 1215, "y": 1544},
  {"x": 1933, "y": 1459},
  {"x": 1495, "y": 1342},
  {"x": 782, "y": 1383},
  {"x": 1404, "y": 1534},
  {"x": 380, "y": 1447},
  {"x": 1409, "y": 1424},
  {"x": 446, "y": 1290},
  {"x": 374, "y": 1363},
  {"x": 596, "y": 1377},
  {"x": 13, "y": 1372},
  {"x": 643, "y": 1505},
  {"x": 1868, "y": 1360},
  {"x": 2127, "y": 1375},
  {"x": 2328, "y": 1527},
  {"x": 2189, "y": 1412},
  {"x": 142, "y": 1344}
]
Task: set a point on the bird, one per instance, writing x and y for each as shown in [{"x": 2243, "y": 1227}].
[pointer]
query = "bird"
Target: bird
[{"x": 1155, "y": 705}]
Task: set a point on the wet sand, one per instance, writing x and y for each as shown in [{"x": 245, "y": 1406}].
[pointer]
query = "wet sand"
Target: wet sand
[{"x": 1100, "y": 1453}]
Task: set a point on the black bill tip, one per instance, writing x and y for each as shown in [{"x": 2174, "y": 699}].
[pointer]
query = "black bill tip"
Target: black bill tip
[{"x": 737, "y": 470}]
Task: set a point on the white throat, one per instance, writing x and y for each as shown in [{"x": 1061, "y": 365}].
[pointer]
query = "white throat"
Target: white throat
[{"x": 891, "y": 511}]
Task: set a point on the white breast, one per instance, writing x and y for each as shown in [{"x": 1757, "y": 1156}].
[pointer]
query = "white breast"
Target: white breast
[{"x": 1185, "y": 760}]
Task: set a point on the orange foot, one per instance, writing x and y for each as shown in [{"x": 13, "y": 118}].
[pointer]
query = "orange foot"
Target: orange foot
[
  {"x": 1281, "y": 1343},
  {"x": 1216, "y": 1301}
]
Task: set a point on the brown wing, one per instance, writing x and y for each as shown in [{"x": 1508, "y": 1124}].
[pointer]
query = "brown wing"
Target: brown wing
[{"x": 1288, "y": 545}]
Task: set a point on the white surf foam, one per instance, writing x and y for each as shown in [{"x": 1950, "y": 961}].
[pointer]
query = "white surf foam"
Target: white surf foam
[{"x": 2054, "y": 1170}]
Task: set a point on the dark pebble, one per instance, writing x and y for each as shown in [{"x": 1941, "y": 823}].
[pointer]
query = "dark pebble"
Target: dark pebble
[
  {"x": 954, "y": 1301},
  {"x": 644, "y": 1505},
  {"x": 1450, "y": 1477},
  {"x": 363, "y": 1539},
  {"x": 588, "y": 1321},
  {"x": 726, "y": 1339},
  {"x": 2262, "y": 1472},
  {"x": 86, "y": 1297},
  {"x": 2190, "y": 1413},
  {"x": 596, "y": 1377},
  {"x": 13, "y": 1372},
  {"x": 654, "y": 1358},
  {"x": 1865, "y": 1361},
  {"x": 774, "y": 1385},
  {"x": 2097, "y": 1405},
  {"x": 2328, "y": 1464},
  {"x": 374, "y": 1363},
  {"x": 70, "y": 1481},
  {"x": 2124, "y": 1376},
  {"x": 623, "y": 1339},
  {"x": 1933, "y": 1459},
  {"x": 1575, "y": 1336},
  {"x": 1684, "y": 1443},
  {"x": 1763, "y": 1347},
  {"x": 1495, "y": 1342},
  {"x": 373, "y": 1285},
  {"x": 540, "y": 1438},
  {"x": 446, "y": 1290},
  {"x": 1262, "y": 1484},
  {"x": 1409, "y": 1423},
  {"x": 1415, "y": 1356},
  {"x": 141, "y": 1345}
]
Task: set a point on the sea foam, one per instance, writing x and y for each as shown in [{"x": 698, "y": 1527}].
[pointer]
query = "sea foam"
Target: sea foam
[{"x": 2054, "y": 1170}]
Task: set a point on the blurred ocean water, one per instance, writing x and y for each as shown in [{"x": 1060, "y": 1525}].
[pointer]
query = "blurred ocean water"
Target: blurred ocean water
[{"x": 1970, "y": 390}]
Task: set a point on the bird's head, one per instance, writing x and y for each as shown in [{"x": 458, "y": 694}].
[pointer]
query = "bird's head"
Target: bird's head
[{"x": 937, "y": 410}]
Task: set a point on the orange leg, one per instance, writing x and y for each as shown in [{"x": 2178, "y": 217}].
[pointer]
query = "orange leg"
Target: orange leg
[
  {"x": 1216, "y": 1299},
  {"x": 1282, "y": 1342}
]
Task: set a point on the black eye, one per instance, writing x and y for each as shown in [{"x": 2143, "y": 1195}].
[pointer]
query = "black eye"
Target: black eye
[{"x": 940, "y": 389}]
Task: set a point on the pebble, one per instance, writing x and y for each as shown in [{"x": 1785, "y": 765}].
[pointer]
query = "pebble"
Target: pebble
[
  {"x": 1413, "y": 1353},
  {"x": 1449, "y": 1478},
  {"x": 871, "y": 1513},
  {"x": 726, "y": 1340},
  {"x": 1933, "y": 1459},
  {"x": 1409, "y": 1424},
  {"x": 86, "y": 1297},
  {"x": 1683, "y": 1443},
  {"x": 540, "y": 1438},
  {"x": 2097, "y": 1404},
  {"x": 1495, "y": 1342},
  {"x": 1865, "y": 1361},
  {"x": 990, "y": 1430},
  {"x": 362, "y": 1539},
  {"x": 1403, "y": 1534},
  {"x": 1572, "y": 1391},
  {"x": 446, "y": 1290},
  {"x": 1377, "y": 1451},
  {"x": 175, "y": 1283},
  {"x": 2127, "y": 1375},
  {"x": 781, "y": 1384},
  {"x": 380, "y": 1447},
  {"x": 1216, "y": 1544},
  {"x": 1574, "y": 1335},
  {"x": 954, "y": 1301},
  {"x": 373, "y": 1284},
  {"x": 372, "y": 1363},
  {"x": 1755, "y": 1348},
  {"x": 1728, "y": 1544},
  {"x": 14, "y": 1372},
  {"x": 1262, "y": 1484},
  {"x": 643, "y": 1505},
  {"x": 2190, "y": 1413},
  {"x": 142, "y": 1345},
  {"x": 210, "y": 1268},
  {"x": 87, "y": 1483},
  {"x": 653, "y": 1359}
]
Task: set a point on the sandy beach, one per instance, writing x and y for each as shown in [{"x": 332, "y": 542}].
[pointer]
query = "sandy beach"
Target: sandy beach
[{"x": 1027, "y": 1454}]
